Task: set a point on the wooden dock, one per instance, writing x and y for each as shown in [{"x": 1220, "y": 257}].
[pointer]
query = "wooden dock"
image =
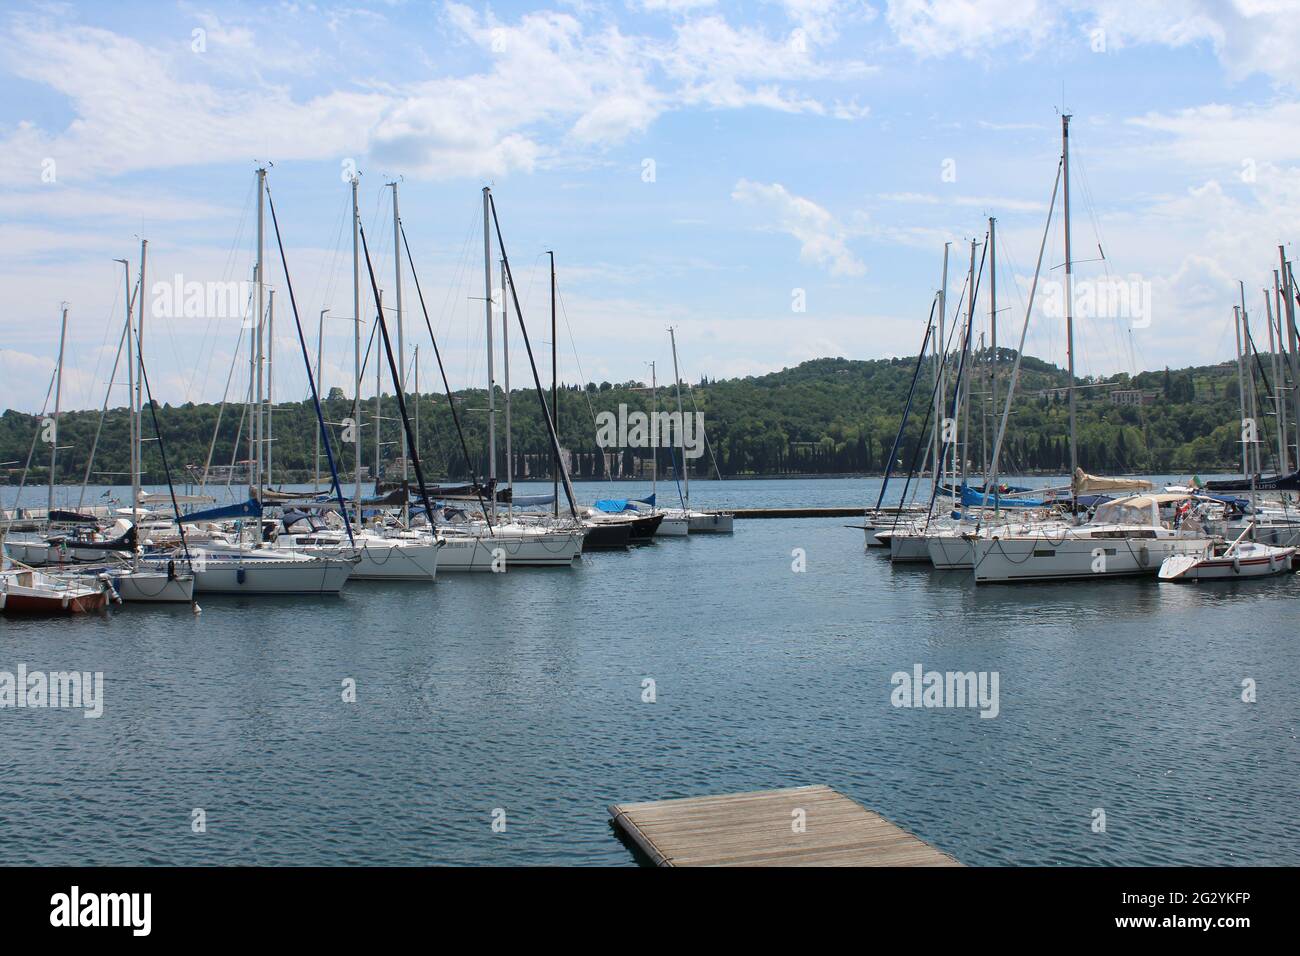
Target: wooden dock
[{"x": 762, "y": 828}]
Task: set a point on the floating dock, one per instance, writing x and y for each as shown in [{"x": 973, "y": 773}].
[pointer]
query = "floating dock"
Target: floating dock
[
  {"x": 857, "y": 512},
  {"x": 799, "y": 826}
]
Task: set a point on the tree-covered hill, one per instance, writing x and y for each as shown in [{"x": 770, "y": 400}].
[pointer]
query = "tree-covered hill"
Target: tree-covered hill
[{"x": 825, "y": 416}]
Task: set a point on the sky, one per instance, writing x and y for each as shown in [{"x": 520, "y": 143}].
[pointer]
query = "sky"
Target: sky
[{"x": 775, "y": 179}]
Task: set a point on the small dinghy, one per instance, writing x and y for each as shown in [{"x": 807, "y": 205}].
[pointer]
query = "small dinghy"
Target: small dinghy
[
  {"x": 1220, "y": 563},
  {"x": 26, "y": 591}
]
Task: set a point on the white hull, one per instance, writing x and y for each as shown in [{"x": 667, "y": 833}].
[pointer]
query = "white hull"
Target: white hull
[
  {"x": 1064, "y": 556},
  {"x": 673, "y": 527},
  {"x": 39, "y": 552},
  {"x": 950, "y": 552},
  {"x": 1250, "y": 561},
  {"x": 260, "y": 572},
  {"x": 909, "y": 547},
  {"x": 467, "y": 552},
  {"x": 382, "y": 559},
  {"x": 707, "y": 522},
  {"x": 153, "y": 587}
]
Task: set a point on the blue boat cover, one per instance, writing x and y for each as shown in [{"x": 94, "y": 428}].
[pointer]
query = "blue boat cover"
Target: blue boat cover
[
  {"x": 972, "y": 498},
  {"x": 617, "y": 505},
  {"x": 247, "y": 509}
]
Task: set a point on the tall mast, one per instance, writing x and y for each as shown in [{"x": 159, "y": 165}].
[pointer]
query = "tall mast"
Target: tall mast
[
  {"x": 58, "y": 388},
  {"x": 940, "y": 392},
  {"x": 379, "y": 392},
  {"x": 505, "y": 364},
  {"x": 134, "y": 452},
  {"x": 1069, "y": 294},
  {"x": 401, "y": 342},
  {"x": 416, "y": 370},
  {"x": 555, "y": 394},
  {"x": 993, "y": 324},
  {"x": 1288, "y": 302},
  {"x": 270, "y": 393},
  {"x": 1279, "y": 412},
  {"x": 137, "y": 473},
  {"x": 1249, "y": 353},
  {"x": 963, "y": 386},
  {"x": 681, "y": 421},
  {"x": 139, "y": 358},
  {"x": 356, "y": 357},
  {"x": 487, "y": 306},
  {"x": 320, "y": 348},
  {"x": 1241, "y": 389},
  {"x": 654, "y": 436},
  {"x": 259, "y": 455}
]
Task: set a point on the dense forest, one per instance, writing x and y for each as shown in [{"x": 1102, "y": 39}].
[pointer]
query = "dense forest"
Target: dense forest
[{"x": 828, "y": 416}]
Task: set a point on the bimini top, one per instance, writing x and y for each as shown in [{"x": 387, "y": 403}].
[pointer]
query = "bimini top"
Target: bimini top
[{"x": 1136, "y": 509}]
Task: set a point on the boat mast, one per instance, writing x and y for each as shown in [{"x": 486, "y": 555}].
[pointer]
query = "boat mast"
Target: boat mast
[
  {"x": 138, "y": 471},
  {"x": 1069, "y": 295},
  {"x": 654, "y": 436},
  {"x": 356, "y": 356},
  {"x": 1288, "y": 300},
  {"x": 58, "y": 388},
  {"x": 487, "y": 306},
  {"x": 555, "y": 396},
  {"x": 940, "y": 393},
  {"x": 379, "y": 392},
  {"x": 505, "y": 364},
  {"x": 134, "y": 437},
  {"x": 963, "y": 386},
  {"x": 1284, "y": 468},
  {"x": 1241, "y": 390},
  {"x": 993, "y": 333},
  {"x": 681, "y": 419},
  {"x": 258, "y": 436},
  {"x": 401, "y": 343},
  {"x": 270, "y": 371},
  {"x": 320, "y": 347}
]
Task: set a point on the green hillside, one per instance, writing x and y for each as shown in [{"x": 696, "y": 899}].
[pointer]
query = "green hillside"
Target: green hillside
[{"x": 825, "y": 416}]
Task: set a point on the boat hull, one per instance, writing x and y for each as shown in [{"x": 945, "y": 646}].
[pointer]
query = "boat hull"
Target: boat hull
[
  {"x": 1257, "y": 562},
  {"x": 1059, "y": 558},
  {"x": 481, "y": 552},
  {"x": 950, "y": 552},
  {"x": 255, "y": 574},
  {"x": 907, "y": 548},
  {"x": 155, "y": 587},
  {"x": 707, "y": 522}
]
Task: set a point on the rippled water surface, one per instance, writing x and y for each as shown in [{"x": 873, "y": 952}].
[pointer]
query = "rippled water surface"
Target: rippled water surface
[{"x": 524, "y": 692}]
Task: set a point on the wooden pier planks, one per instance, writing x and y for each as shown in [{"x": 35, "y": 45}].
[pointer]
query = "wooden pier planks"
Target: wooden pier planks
[{"x": 757, "y": 829}]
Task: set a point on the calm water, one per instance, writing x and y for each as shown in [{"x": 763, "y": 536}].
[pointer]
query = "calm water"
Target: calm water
[{"x": 523, "y": 692}]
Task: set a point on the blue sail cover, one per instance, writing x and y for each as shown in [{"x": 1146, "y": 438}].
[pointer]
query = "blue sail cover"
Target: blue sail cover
[
  {"x": 247, "y": 509},
  {"x": 618, "y": 505},
  {"x": 975, "y": 499}
]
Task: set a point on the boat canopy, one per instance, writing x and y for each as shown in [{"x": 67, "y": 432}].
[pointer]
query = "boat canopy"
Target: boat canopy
[
  {"x": 1084, "y": 483},
  {"x": 1135, "y": 509},
  {"x": 246, "y": 509}
]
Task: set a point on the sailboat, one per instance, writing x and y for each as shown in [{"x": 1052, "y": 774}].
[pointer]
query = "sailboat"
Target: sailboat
[
  {"x": 1126, "y": 536},
  {"x": 697, "y": 522},
  {"x": 250, "y": 565}
]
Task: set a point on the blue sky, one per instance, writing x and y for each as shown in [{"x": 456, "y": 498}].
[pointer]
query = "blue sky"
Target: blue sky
[{"x": 796, "y": 145}]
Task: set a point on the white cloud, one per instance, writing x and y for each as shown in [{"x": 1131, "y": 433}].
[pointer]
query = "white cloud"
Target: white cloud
[{"x": 822, "y": 239}]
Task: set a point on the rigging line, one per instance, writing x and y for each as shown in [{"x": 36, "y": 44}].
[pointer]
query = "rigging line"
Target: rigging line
[
  {"x": 907, "y": 409},
  {"x": 103, "y": 413},
  {"x": 528, "y": 347},
  {"x": 225, "y": 394},
  {"x": 401, "y": 398},
  {"x": 451, "y": 401},
  {"x": 32, "y": 450},
  {"x": 306, "y": 359},
  {"x": 162, "y": 450}
]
